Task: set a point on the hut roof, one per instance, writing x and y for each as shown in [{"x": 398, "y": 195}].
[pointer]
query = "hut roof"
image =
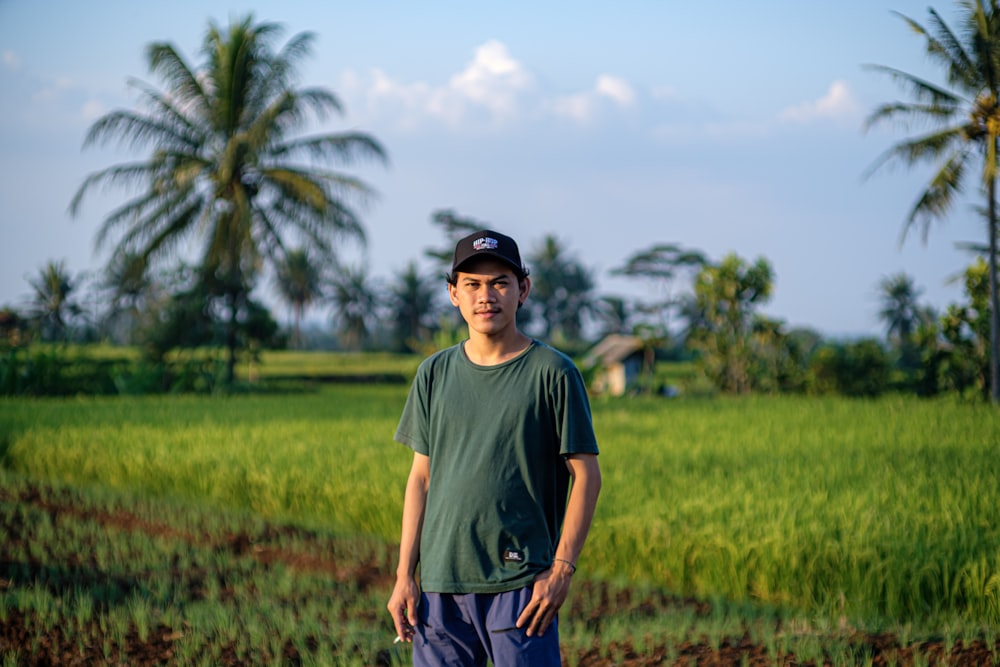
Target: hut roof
[{"x": 613, "y": 349}]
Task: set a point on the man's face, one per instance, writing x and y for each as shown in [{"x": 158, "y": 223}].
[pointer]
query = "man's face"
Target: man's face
[{"x": 487, "y": 293}]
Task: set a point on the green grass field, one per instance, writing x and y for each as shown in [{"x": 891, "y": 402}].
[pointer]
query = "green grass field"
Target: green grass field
[{"x": 883, "y": 511}]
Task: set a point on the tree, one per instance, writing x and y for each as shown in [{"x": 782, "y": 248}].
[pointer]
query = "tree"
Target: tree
[
  {"x": 966, "y": 129},
  {"x": 899, "y": 309},
  {"x": 130, "y": 293},
  {"x": 965, "y": 329},
  {"x": 454, "y": 227},
  {"x": 356, "y": 304},
  {"x": 299, "y": 280},
  {"x": 856, "y": 368},
  {"x": 727, "y": 295},
  {"x": 614, "y": 314},
  {"x": 561, "y": 290},
  {"x": 190, "y": 318},
  {"x": 53, "y": 305},
  {"x": 229, "y": 164},
  {"x": 413, "y": 302},
  {"x": 662, "y": 264},
  {"x": 903, "y": 317}
]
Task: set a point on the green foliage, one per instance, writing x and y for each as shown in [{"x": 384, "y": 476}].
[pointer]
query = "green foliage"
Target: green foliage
[
  {"x": 662, "y": 264},
  {"x": 75, "y": 370},
  {"x": 414, "y": 306},
  {"x": 727, "y": 295},
  {"x": 561, "y": 292},
  {"x": 966, "y": 330},
  {"x": 299, "y": 279},
  {"x": 54, "y": 305},
  {"x": 198, "y": 317},
  {"x": 71, "y": 370},
  {"x": 858, "y": 368}
]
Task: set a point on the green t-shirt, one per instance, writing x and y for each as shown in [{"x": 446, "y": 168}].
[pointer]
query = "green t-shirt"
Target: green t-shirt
[{"x": 495, "y": 437}]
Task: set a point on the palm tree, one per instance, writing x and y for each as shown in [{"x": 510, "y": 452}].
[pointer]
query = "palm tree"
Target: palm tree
[
  {"x": 966, "y": 128},
  {"x": 356, "y": 303},
  {"x": 299, "y": 281},
  {"x": 229, "y": 166},
  {"x": 52, "y": 304},
  {"x": 413, "y": 302},
  {"x": 899, "y": 310},
  {"x": 127, "y": 287},
  {"x": 561, "y": 290}
]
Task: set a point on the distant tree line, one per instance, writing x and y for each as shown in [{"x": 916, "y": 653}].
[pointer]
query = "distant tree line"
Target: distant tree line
[{"x": 699, "y": 310}]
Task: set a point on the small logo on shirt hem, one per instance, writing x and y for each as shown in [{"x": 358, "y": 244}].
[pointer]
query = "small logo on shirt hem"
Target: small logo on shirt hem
[{"x": 513, "y": 556}]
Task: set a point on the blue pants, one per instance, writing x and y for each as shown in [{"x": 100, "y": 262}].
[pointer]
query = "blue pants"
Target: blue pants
[{"x": 464, "y": 630}]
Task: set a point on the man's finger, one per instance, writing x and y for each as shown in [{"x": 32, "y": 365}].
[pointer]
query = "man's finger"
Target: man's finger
[{"x": 527, "y": 615}]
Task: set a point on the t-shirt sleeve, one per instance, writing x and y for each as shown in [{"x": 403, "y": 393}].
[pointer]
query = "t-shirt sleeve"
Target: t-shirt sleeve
[
  {"x": 413, "y": 423},
  {"x": 576, "y": 426}
]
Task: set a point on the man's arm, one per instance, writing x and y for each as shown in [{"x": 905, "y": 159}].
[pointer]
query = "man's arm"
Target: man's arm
[
  {"x": 406, "y": 594},
  {"x": 552, "y": 586}
]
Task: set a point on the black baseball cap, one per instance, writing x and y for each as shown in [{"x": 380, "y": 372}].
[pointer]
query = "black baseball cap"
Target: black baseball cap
[{"x": 487, "y": 242}]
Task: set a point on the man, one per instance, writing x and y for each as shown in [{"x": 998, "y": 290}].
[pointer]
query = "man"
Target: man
[{"x": 504, "y": 480}]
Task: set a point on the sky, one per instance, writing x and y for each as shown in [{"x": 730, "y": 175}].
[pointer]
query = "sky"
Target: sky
[{"x": 722, "y": 127}]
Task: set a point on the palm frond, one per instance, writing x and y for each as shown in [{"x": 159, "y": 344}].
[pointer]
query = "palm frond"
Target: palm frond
[
  {"x": 155, "y": 221},
  {"x": 348, "y": 147},
  {"x": 175, "y": 73},
  {"x": 919, "y": 149},
  {"x": 946, "y": 48},
  {"x": 921, "y": 89},
  {"x": 939, "y": 196},
  {"x": 908, "y": 113},
  {"x": 122, "y": 174},
  {"x": 134, "y": 130},
  {"x": 189, "y": 122}
]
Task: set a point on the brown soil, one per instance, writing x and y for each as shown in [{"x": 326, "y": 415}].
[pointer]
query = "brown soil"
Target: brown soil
[{"x": 59, "y": 647}]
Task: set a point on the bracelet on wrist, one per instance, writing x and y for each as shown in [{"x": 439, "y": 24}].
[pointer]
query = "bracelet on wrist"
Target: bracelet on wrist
[{"x": 572, "y": 567}]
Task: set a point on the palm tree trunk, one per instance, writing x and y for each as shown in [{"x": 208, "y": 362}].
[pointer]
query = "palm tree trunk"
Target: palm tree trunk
[{"x": 994, "y": 298}]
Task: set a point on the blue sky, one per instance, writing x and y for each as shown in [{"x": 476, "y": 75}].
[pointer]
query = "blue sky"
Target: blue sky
[{"x": 723, "y": 127}]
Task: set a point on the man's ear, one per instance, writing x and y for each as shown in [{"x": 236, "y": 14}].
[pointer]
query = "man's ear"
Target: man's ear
[
  {"x": 451, "y": 295},
  {"x": 524, "y": 288}
]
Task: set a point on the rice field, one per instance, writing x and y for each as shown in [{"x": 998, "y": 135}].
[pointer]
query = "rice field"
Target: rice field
[{"x": 879, "y": 515}]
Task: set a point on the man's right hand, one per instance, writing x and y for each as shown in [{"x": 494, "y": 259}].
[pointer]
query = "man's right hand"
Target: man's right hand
[{"x": 403, "y": 607}]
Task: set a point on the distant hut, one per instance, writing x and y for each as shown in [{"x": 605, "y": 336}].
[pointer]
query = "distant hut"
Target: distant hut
[
  {"x": 618, "y": 360},
  {"x": 12, "y": 328}
]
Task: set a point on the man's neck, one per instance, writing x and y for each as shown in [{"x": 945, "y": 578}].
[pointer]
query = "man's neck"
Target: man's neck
[{"x": 490, "y": 350}]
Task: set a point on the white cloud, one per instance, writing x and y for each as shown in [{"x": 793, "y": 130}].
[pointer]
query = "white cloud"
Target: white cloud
[
  {"x": 11, "y": 61},
  {"x": 839, "y": 103},
  {"x": 584, "y": 106},
  {"x": 493, "y": 79},
  {"x": 493, "y": 84},
  {"x": 617, "y": 89}
]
